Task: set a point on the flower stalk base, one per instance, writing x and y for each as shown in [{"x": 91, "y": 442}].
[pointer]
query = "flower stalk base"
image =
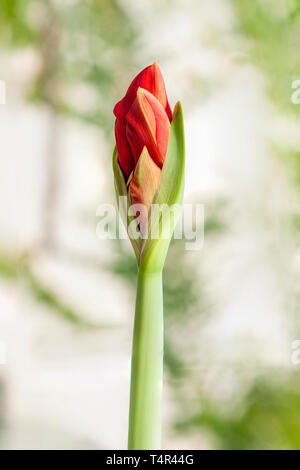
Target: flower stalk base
[{"x": 145, "y": 416}]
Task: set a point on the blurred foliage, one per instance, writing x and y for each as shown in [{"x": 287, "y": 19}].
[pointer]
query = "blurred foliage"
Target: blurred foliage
[
  {"x": 82, "y": 47},
  {"x": 273, "y": 33},
  {"x": 268, "y": 417},
  {"x": 272, "y": 29},
  {"x": 8, "y": 268},
  {"x": 50, "y": 299},
  {"x": 19, "y": 270},
  {"x": 16, "y": 29}
]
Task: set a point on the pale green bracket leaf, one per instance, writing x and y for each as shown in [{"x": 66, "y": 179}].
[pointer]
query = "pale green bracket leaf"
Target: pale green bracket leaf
[{"x": 121, "y": 190}]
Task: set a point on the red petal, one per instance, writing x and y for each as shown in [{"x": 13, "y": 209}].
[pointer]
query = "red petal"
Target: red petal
[
  {"x": 151, "y": 80},
  {"x": 148, "y": 125},
  {"x": 125, "y": 157}
]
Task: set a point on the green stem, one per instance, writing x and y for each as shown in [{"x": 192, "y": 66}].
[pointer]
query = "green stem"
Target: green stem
[{"x": 147, "y": 364}]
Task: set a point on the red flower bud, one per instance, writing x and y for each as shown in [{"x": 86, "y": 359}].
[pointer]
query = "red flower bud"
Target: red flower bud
[
  {"x": 148, "y": 165},
  {"x": 143, "y": 119}
]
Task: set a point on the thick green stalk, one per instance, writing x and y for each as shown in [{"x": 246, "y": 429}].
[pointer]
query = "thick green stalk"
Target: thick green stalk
[{"x": 147, "y": 364}]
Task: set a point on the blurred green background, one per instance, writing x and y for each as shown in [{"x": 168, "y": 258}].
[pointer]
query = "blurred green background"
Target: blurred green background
[{"x": 67, "y": 298}]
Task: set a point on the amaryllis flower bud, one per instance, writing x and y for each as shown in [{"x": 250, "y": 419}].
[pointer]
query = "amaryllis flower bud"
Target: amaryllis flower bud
[
  {"x": 142, "y": 133},
  {"x": 151, "y": 80},
  {"x": 144, "y": 122}
]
